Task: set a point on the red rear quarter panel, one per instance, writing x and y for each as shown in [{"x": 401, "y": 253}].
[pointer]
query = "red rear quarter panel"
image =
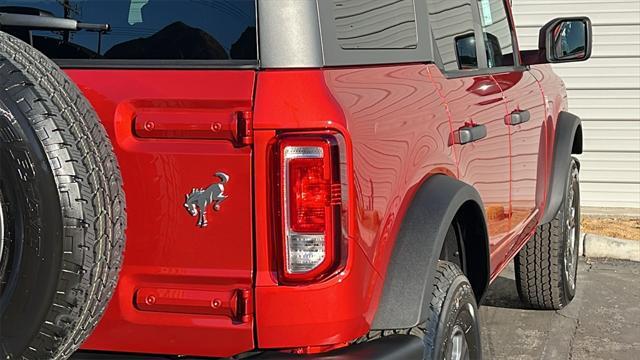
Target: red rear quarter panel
[{"x": 396, "y": 129}]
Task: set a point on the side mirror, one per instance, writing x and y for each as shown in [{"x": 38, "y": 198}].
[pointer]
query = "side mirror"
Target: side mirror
[{"x": 562, "y": 40}]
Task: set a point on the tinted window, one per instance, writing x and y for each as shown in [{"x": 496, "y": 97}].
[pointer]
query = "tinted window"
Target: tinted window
[
  {"x": 146, "y": 29},
  {"x": 454, "y": 33},
  {"x": 497, "y": 33}
]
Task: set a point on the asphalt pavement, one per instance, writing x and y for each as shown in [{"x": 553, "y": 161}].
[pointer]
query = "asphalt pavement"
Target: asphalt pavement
[{"x": 602, "y": 322}]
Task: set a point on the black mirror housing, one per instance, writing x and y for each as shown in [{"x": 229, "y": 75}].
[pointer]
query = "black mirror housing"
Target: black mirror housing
[{"x": 562, "y": 40}]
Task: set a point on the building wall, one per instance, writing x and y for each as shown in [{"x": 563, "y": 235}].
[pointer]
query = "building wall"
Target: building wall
[{"x": 604, "y": 92}]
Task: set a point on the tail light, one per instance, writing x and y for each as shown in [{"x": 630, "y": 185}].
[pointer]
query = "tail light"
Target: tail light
[{"x": 310, "y": 205}]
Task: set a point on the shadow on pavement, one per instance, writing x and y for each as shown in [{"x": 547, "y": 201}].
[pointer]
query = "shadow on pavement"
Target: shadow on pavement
[{"x": 503, "y": 294}]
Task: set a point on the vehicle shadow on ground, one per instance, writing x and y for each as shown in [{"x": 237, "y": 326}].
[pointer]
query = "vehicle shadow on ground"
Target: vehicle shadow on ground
[{"x": 503, "y": 293}]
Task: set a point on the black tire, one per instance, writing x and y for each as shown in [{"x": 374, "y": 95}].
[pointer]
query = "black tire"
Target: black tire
[
  {"x": 547, "y": 267},
  {"x": 452, "y": 317},
  {"x": 62, "y": 209},
  {"x": 453, "y": 312}
]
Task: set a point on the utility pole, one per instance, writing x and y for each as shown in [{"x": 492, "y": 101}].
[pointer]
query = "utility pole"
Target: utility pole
[
  {"x": 69, "y": 13},
  {"x": 67, "y": 35}
]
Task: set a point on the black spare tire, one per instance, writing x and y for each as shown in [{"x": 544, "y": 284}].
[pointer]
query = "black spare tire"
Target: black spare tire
[{"x": 62, "y": 209}]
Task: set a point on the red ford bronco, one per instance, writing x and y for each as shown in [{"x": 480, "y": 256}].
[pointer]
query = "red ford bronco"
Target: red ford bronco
[{"x": 303, "y": 179}]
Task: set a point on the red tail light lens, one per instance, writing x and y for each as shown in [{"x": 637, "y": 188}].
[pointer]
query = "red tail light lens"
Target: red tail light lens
[{"x": 309, "y": 192}]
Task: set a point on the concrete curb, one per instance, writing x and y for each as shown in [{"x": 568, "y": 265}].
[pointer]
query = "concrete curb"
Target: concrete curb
[{"x": 606, "y": 247}]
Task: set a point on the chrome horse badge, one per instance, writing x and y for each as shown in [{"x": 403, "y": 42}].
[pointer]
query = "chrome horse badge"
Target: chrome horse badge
[{"x": 199, "y": 199}]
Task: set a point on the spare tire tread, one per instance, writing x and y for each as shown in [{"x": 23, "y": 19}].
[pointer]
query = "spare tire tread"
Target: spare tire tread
[{"x": 91, "y": 195}]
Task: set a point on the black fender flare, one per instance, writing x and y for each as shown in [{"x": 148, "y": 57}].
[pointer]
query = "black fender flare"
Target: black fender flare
[
  {"x": 409, "y": 278},
  {"x": 567, "y": 141}
]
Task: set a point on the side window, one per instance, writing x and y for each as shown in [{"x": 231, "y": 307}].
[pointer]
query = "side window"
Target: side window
[
  {"x": 453, "y": 28},
  {"x": 497, "y": 33},
  {"x": 144, "y": 29}
]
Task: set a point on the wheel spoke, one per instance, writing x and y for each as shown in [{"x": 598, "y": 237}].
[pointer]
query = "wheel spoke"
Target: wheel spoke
[
  {"x": 5, "y": 251},
  {"x": 459, "y": 346},
  {"x": 1, "y": 228},
  {"x": 570, "y": 257}
]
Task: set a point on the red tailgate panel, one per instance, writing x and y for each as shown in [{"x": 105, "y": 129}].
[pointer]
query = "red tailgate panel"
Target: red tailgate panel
[{"x": 168, "y": 258}]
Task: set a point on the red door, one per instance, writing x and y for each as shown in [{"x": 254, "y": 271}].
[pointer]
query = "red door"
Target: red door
[
  {"x": 173, "y": 132},
  {"x": 476, "y": 102},
  {"x": 525, "y": 118},
  {"x": 477, "y": 109}
]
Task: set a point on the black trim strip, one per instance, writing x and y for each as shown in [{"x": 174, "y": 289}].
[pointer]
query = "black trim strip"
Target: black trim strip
[
  {"x": 156, "y": 64},
  {"x": 405, "y": 347}
]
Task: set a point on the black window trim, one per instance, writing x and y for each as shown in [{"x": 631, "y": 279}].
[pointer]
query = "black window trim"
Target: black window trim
[{"x": 156, "y": 64}]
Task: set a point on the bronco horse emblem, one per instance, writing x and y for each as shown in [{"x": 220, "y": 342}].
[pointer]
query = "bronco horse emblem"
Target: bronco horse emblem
[{"x": 199, "y": 199}]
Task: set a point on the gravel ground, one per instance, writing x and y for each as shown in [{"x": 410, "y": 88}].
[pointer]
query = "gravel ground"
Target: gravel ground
[
  {"x": 602, "y": 322},
  {"x": 616, "y": 227}
]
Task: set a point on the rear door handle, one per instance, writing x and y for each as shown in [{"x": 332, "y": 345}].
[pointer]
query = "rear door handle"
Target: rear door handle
[
  {"x": 517, "y": 117},
  {"x": 469, "y": 133}
]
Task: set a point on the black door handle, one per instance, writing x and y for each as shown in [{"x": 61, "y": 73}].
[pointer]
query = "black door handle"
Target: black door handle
[
  {"x": 517, "y": 117},
  {"x": 469, "y": 133}
]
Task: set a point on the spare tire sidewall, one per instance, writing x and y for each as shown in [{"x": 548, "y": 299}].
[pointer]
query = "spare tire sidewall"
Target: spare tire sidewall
[{"x": 33, "y": 228}]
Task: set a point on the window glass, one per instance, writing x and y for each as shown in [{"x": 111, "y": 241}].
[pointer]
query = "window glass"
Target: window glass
[
  {"x": 454, "y": 34},
  {"x": 145, "y": 29},
  {"x": 496, "y": 32}
]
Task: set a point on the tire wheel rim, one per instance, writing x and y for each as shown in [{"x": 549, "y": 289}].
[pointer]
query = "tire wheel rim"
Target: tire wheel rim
[
  {"x": 1, "y": 228},
  {"x": 5, "y": 244},
  {"x": 571, "y": 253},
  {"x": 458, "y": 346}
]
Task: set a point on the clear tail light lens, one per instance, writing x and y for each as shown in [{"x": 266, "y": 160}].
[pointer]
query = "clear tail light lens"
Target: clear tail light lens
[{"x": 310, "y": 207}]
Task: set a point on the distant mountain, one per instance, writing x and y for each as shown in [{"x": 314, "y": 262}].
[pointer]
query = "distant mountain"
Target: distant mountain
[
  {"x": 246, "y": 46},
  {"x": 174, "y": 42}
]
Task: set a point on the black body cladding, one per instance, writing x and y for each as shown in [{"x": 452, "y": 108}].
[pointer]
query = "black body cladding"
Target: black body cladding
[
  {"x": 409, "y": 279},
  {"x": 568, "y": 140}
]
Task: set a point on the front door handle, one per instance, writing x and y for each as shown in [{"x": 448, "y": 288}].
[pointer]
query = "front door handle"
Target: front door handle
[
  {"x": 517, "y": 117},
  {"x": 469, "y": 133}
]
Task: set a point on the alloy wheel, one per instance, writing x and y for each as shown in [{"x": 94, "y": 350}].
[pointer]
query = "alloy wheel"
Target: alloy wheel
[
  {"x": 5, "y": 243},
  {"x": 571, "y": 248},
  {"x": 458, "y": 348},
  {"x": 1, "y": 227}
]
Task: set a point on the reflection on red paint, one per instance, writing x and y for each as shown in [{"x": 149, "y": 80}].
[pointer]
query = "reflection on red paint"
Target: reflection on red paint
[{"x": 172, "y": 131}]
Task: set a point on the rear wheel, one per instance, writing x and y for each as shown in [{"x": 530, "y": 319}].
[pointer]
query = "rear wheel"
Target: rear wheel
[
  {"x": 547, "y": 267},
  {"x": 62, "y": 214},
  {"x": 452, "y": 329}
]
